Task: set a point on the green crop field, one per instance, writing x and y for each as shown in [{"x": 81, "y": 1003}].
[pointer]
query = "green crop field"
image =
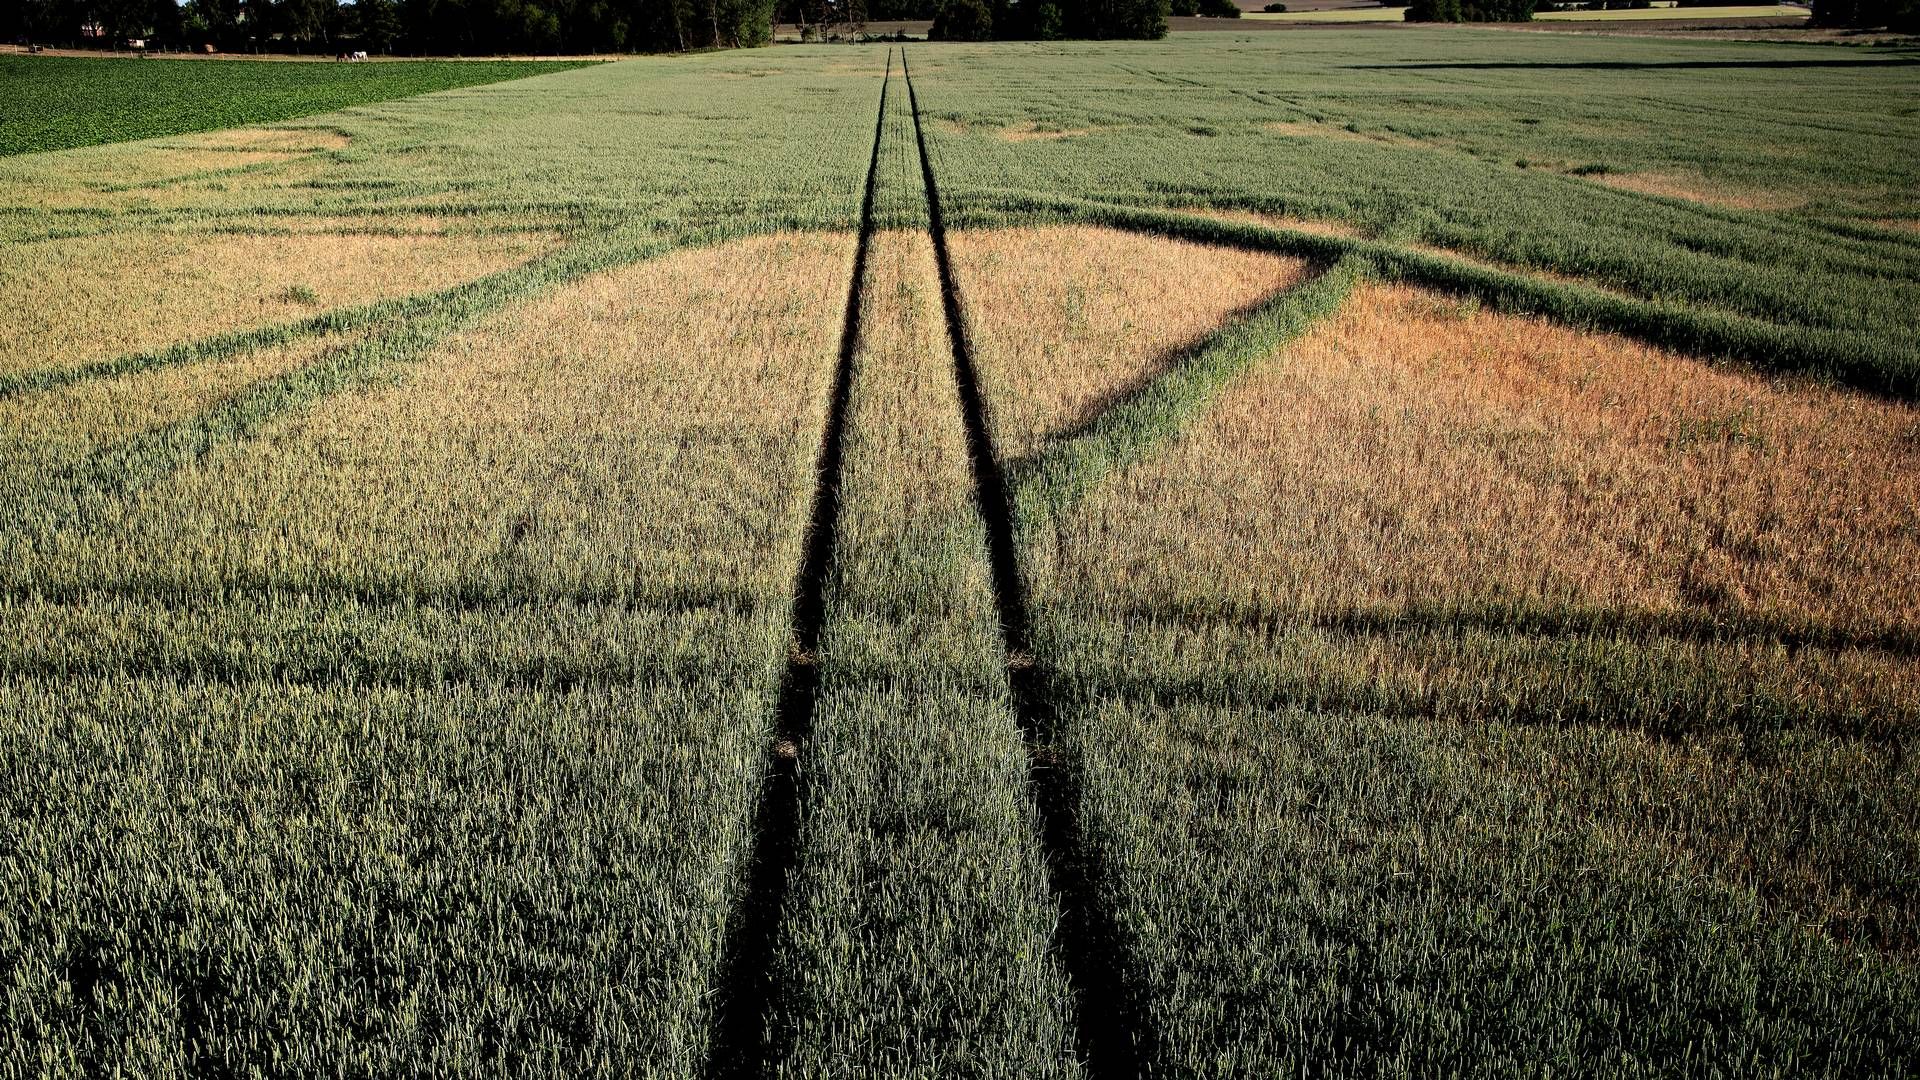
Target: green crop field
[
  {"x": 1372, "y": 15},
  {"x": 54, "y": 103},
  {"x": 1334, "y": 554}
]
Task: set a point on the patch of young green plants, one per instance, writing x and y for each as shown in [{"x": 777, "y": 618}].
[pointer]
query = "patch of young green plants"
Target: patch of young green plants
[{"x": 59, "y": 102}]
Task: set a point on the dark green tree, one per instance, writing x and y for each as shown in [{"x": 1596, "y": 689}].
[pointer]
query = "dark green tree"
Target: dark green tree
[
  {"x": 1116, "y": 19},
  {"x": 1898, "y": 15},
  {"x": 375, "y": 24},
  {"x": 1470, "y": 11},
  {"x": 963, "y": 20}
]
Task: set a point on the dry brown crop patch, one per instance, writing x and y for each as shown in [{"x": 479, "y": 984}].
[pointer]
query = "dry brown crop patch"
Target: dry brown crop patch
[
  {"x": 141, "y": 172},
  {"x": 280, "y": 140},
  {"x": 1309, "y": 130},
  {"x": 642, "y": 430},
  {"x": 1695, "y": 188},
  {"x": 1419, "y": 451},
  {"x": 1034, "y": 132},
  {"x": 130, "y": 173},
  {"x": 68, "y": 302},
  {"x": 1068, "y": 319},
  {"x": 389, "y": 224},
  {"x": 58, "y": 426}
]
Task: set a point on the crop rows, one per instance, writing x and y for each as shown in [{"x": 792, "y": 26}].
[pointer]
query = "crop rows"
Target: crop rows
[
  {"x": 1108, "y": 637},
  {"x": 353, "y": 690}
]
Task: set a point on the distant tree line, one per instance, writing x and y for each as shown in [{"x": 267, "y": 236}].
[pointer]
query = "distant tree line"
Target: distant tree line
[
  {"x": 1900, "y": 15},
  {"x": 484, "y": 27},
  {"x": 1470, "y": 11},
  {"x": 1218, "y": 9},
  {"x": 437, "y": 27},
  {"x": 1050, "y": 20}
]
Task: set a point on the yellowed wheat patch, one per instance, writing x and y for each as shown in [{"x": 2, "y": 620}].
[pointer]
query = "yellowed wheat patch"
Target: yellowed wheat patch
[
  {"x": 644, "y": 431},
  {"x": 1339, "y": 229},
  {"x": 68, "y": 302},
  {"x": 47, "y": 428},
  {"x": 1068, "y": 320},
  {"x": 1032, "y": 132},
  {"x": 1417, "y": 451},
  {"x": 280, "y": 140},
  {"x": 1309, "y": 130},
  {"x": 1697, "y": 189}
]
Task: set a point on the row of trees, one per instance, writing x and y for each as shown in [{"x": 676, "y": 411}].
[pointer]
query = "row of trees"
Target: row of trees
[
  {"x": 1470, "y": 11},
  {"x": 1900, "y": 15},
  {"x": 443, "y": 27},
  {"x": 1048, "y": 20}
]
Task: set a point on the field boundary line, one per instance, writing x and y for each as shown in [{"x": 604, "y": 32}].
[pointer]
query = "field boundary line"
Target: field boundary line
[
  {"x": 738, "y": 1045},
  {"x": 1705, "y": 334},
  {"x": 1092, "y": 685},
  {"x": 1549, "y": 622},
  {"x": 465, "y": 597},
  {"x": 1112, "y": 1032}
]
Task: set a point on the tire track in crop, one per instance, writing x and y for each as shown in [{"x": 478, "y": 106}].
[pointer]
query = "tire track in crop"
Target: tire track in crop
[
  {"x": 1111, "y": 1029},
  {"x": 738, "y": 1046}
]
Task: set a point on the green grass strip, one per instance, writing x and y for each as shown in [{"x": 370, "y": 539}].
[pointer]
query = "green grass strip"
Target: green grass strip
[
  {"x": 1852, "y": 359},
  {"x": 1050, "y": 482}
]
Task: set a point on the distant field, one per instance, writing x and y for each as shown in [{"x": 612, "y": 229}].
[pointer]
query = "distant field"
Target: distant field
[
  {"x": 1360, "y": 15},
  {"x": 1342, "y": 553},
  {"x": 1785, "y": 11},
  {"x": 56, "y": 102}
]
